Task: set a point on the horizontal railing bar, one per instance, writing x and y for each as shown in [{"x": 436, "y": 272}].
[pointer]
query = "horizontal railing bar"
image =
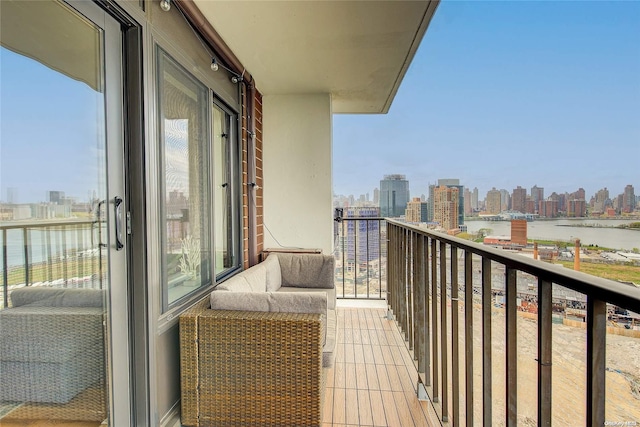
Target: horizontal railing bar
[
  {"x": 44, "y": 224},
  {"x": 620, "y": 294},
  {"x": 360, "y": 218}
]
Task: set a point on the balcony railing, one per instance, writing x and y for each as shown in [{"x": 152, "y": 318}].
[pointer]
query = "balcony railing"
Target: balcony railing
[
  {"x": 478, "y": 322},
  {"x": 63, "y": 253},
  {"x": 361, "y": 262}
]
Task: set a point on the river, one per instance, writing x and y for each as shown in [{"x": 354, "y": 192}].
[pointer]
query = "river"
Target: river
[{"x": 554, "y": 230}]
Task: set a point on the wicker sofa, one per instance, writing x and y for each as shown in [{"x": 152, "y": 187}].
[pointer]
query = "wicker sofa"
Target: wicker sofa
[
  {"x": 51, "y": 344},
  {"x": 256, "y": 352}
]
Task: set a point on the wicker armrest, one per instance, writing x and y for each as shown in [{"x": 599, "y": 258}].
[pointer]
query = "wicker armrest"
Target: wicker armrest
[{"x": 251, "y": 368}]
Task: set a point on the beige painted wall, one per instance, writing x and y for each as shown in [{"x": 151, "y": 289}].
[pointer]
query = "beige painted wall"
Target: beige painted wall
[{"x": 298, "y": 171}]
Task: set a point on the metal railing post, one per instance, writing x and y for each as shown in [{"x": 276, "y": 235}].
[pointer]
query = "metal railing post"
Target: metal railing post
[
  {"x": 455, "y": 356},
  {"x": 434, "y": 321},
  {"x": 544, "y": 352},
  {"x": 25, "y": 237},
  {"x": 443, "y": 332},
  {"x": 468, "y": 336},
  {"x": 511, "y": 347},
  {"x": 486, "y": 343},
  {"x": 596, "y": 360},
  {"x": 5, "y": 270}
]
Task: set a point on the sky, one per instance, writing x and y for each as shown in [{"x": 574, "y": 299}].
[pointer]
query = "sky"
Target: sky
[
  {"x": 51, "y": 136},
  {"x": 508, "y": 93}
]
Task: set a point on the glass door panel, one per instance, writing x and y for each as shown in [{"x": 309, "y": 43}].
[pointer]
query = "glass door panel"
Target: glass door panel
[{"x": 56, "y": 206}]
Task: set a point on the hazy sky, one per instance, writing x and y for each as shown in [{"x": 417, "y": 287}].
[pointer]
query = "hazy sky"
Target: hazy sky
[{"x": 508, "y": 93}]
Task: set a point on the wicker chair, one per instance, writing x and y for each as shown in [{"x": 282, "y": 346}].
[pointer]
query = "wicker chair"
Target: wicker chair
[
  {"x": 258, "y": 358},
  {"x": 243, "y": 368}
]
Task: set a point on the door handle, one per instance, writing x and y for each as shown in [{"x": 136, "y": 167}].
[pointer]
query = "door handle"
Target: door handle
[{"x": 117, "y": 201}]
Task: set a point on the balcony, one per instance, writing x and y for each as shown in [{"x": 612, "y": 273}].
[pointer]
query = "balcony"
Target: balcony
[{"x": 538, "y": 344}]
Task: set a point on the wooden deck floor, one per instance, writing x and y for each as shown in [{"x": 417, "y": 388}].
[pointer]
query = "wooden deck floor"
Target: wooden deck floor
[{"x": 373, "y": 382}]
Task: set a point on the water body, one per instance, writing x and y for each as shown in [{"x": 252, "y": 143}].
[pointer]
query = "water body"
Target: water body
[
  {"x": 43, "y": 245},
  {"x": 557, "y": 230}
]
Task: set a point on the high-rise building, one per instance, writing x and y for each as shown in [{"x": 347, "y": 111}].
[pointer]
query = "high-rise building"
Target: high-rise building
[
  {"x": 578, "y": 195},
  {"x": 577, "y": 208},
  {"x": 362, "y": 237},
  {"x": 518, "y": 199},
  {"x": 394, "y": 195},
  {"x": 12, "y": 195},
  {"x": 56, "y": 197},
  {"x": 494, "y": 201},
  {"x": 505, "y": 200},
  {"x": 537, "y": 194},
  {"x": 474, "y": 198},
  {"x": 424, "y": 212},
  {"x": 446, "y": 202},
  {"x": 628, "y": 199},
  {"x": 548, "y": 208},
  {"x": 376, "y": 196},
  {"x": 451, "y": 183},
  {"x": 468, "y": 209},
  {"x": 530, "y": 206},
  {"x": 412, "y": 213},
  {"x": 601, "y": 198}
]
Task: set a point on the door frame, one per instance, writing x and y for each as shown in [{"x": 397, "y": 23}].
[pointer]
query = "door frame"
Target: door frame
[{"x": 129, "y": 391}]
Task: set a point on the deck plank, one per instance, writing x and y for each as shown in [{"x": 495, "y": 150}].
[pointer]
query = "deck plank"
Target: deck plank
[{"x": 374, "y": 377}]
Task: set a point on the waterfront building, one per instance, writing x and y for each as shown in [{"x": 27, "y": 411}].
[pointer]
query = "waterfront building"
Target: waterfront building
[
  {"x": 537, "y": 194},
  {"x": 628, "y": 199},
  {"x": 530, "y": 206},
  {"x": 577, "y": 208},
  {"x": 394, "y": 195},
  {"x": 600, "y": 200},
  {"x": 505, "y": 200},
  {"x": 494, "y": 201},
  {"x": 518, "y": 199},
  {"x": 474, "y": 198},
  {"x": 548, "y": 208}
]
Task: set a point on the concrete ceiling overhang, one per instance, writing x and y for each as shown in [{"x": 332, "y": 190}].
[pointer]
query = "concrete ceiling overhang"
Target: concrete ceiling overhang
[{"x": 358, "y": 51}]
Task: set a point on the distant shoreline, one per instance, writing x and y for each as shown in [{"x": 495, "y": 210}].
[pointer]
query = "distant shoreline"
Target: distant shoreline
[
  {"x": 564, "y": 218},
  {"x": 618, "y": 227}
]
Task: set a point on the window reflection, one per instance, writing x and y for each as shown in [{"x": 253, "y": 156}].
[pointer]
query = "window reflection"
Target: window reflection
[{"x": 186, "y": 192}]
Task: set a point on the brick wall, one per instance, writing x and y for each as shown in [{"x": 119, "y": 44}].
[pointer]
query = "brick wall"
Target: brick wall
[{"x": 246, "y": 189}]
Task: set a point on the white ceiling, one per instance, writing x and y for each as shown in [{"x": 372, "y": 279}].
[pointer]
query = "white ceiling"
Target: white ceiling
[{"x": 356, "y": 50}]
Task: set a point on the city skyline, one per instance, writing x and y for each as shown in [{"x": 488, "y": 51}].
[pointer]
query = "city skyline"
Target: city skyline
[
  {"x": 508, "y": 93},
  {"x": 482, "y": 195}
]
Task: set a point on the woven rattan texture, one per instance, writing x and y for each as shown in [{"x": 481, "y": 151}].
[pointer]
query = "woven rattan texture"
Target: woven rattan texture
[{"x": 251, "y": 369}]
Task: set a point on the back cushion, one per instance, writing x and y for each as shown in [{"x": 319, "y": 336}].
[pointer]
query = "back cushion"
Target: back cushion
[
  {"x": 256, "y": 277},
  {"x": 234, "y": 284},
  {"x": 274, "y": 276},
  {"x": 242, "y": 301},
  {"x": 57, "y": 297},
  {"x": 307, "y": 270}
]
